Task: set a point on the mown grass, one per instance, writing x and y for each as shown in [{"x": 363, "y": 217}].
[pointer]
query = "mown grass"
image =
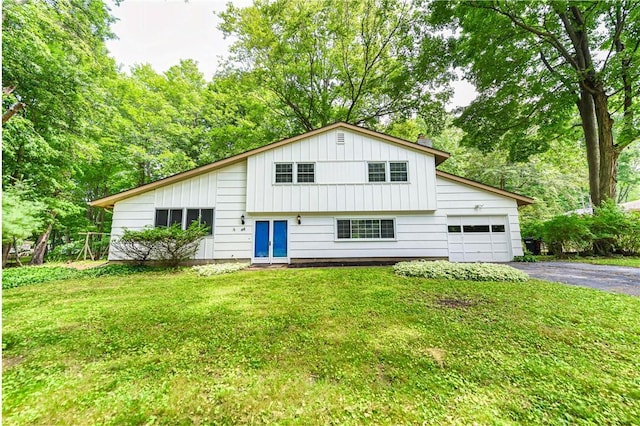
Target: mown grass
[
  {"x": 317, "y": 346},
  {"x": 633, "y": 262},
  {"x": 629, "y": 261}
]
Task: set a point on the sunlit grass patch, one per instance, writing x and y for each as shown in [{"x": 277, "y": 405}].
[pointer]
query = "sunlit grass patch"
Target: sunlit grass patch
[{"x": 309, "y": 346}]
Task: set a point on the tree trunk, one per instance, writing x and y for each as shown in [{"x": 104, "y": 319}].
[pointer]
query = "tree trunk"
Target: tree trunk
[
  {"x": 5, "y": 253},
  {"x": 15, "y": 247},
  {"x": 608, "y": 151},
  {"x": 587, "y": 110},
  {"x": 41, "y": 247}
]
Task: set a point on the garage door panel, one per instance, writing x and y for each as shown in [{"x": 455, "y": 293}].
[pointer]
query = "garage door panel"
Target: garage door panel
[{"x": 479, "y": 239}]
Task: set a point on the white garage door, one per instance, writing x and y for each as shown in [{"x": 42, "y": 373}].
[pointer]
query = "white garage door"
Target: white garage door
[{"x": 478, "y": 239}]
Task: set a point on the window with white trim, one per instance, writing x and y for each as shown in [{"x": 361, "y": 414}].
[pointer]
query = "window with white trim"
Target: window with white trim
[
  {"x": 377, "y": 172},
  {"x": 365, "y": 229},
  {"x": 168, "y": 217},
  {"x": 284, "y": 172},
  {"x": 306, "y": 173},
  {"x": 398, "y": 171},
  {"x": 201, "y": 217}
]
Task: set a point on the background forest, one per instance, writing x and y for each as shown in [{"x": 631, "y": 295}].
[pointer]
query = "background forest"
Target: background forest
[{"x": 556, "y": 117}]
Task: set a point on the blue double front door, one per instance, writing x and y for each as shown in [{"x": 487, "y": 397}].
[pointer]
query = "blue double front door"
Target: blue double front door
[{"x": 271, "y": 241}]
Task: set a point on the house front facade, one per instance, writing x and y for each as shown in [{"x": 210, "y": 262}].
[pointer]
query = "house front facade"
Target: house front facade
[{"x": 341, "y": 194}]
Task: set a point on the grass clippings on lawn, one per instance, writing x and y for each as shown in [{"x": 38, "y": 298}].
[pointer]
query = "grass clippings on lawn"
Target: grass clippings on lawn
[{"x": 317, "y": 346}]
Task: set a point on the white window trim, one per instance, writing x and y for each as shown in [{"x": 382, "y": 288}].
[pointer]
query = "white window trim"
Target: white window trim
[
  {"x": 294, "y": 171},
  {"x": 387, "y": 172},
  {"x": 364, "y": 240},
  {"x": 183, "y": 223}
]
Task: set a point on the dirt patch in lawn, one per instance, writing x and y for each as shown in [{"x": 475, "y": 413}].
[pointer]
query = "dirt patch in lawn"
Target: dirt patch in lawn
[
  {"x": 453, "y": 302},
  {"x": 11, "y": 361}
]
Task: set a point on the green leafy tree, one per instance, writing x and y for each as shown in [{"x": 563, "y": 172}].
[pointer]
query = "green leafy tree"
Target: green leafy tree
[
  {"x": 53, "y": 55},
  {"x": 21, "y": 218},
  {"x": 326, "y": 61},
  {"x": 535, "y": 63}
]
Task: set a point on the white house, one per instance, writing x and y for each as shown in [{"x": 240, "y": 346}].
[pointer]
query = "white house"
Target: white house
[{"x": 340, "y": 194}]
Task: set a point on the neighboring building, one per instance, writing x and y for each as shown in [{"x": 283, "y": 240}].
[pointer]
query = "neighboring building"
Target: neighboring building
[{"x": 341, "y": 193}]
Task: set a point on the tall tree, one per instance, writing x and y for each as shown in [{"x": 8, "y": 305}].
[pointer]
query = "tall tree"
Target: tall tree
[
  {"x": 351, "y": 60},
  {"x": 535, "y": 62},
  {"x": 53, "y": 53}
]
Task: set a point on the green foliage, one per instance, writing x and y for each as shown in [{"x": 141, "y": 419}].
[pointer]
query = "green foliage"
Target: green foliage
[
  {"x": 609, "y": 230},
  {"x": 309, "y": 346},
  {"x": 354, "y": 61},
  {"x": 65, "y": 251},
  {"x": 527, "y": 257},
  {"x": 459, "y": 271},
  {"x": 528, "y": 96},
  {"x": 28, "y": 275},
  {"x": 219, "y": 268},
  {"x": 532, "y": 229},
  {"x": 21, "y": 217},
  {"x": 168, "y": 245},
  {"x": 567, "y": 233}
]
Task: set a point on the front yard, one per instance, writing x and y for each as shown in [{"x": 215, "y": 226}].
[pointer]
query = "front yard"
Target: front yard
[{"x": 317, "y": 346}]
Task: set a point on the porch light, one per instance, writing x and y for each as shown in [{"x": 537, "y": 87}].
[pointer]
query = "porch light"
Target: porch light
[
  {"x": 242, "y": 219},
  {"x": 299, "y": 219}
]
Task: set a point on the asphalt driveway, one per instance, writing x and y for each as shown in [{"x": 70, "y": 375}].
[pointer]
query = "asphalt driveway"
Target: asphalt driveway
[{"x": 617, "y": 279}]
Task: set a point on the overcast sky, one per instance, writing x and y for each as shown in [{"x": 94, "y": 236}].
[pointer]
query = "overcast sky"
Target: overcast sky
[{"x": 161, "y": 32}]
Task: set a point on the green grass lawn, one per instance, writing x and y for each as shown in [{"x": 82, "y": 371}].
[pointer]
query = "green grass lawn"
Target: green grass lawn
[
  {"x": 317, "y": 346},
  {"x": 629, "y": 261}
]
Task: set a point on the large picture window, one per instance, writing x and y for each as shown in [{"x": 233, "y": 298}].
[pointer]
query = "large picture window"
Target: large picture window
[{"x": 365, "y": 229}]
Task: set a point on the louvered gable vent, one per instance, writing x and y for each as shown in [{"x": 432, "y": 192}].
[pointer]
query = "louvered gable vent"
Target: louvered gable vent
[{"x": 340, "y": 138}]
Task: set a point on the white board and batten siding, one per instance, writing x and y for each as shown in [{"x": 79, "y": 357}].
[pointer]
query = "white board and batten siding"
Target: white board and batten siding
[
  {"x": 465, "y": 205},
  {"x": 341, "y": 177},
  {"x": 222, "y": 190}
]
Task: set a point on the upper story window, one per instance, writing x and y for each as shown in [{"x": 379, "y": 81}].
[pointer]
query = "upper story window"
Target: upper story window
[
  {"x": 377, "y": 172},
  {"x": 306, "y": 173},
  {"x": 398, "y": 172},
  {"x": 284, "y": 172}
]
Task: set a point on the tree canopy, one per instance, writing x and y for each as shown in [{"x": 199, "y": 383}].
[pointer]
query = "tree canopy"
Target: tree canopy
[
  {"x": 539, "y": 65},
  {"x": 355, "y": 61},
  {"x": 556, "y": 80}
]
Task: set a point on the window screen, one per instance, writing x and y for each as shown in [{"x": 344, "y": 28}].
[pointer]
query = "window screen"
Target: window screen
[
  {"x": 201, "y": 216},
  {"x": 377, "y": 172},
  {"x": 306, "y": 172},
  {"x": 366, "y": 229},
  {"x": 398, "y": 172},
  {"x": 166, "y": 217},
  {"x": 284, "y": 172}
]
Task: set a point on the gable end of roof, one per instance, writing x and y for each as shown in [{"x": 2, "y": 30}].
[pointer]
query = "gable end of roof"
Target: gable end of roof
[{"x": 109, "y": 201}]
